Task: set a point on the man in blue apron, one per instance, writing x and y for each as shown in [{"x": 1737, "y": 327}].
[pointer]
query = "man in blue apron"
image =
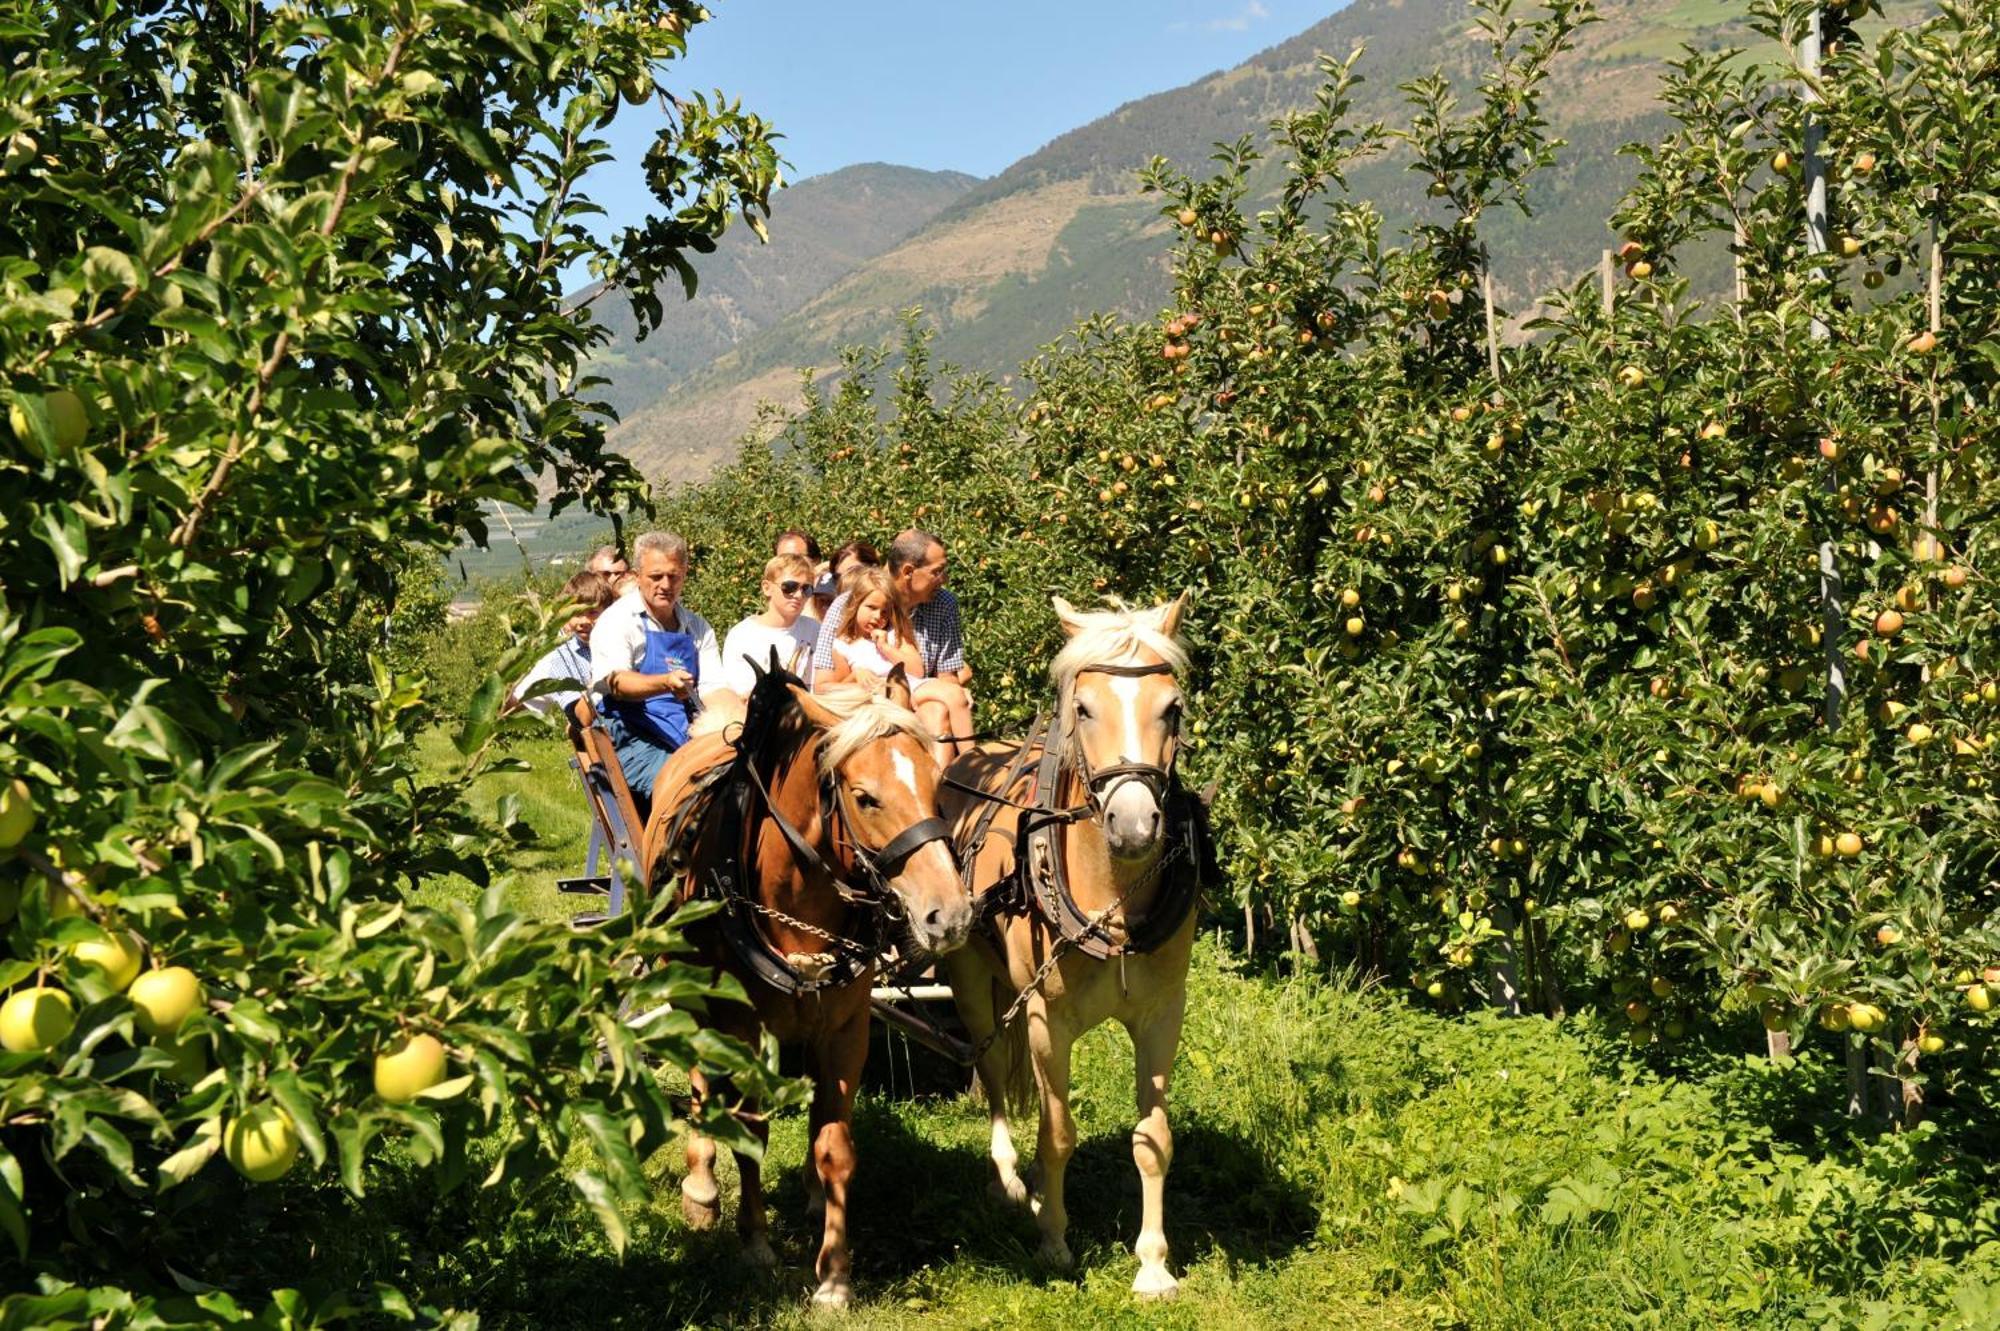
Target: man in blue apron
[{"x": 650, "y": 656}]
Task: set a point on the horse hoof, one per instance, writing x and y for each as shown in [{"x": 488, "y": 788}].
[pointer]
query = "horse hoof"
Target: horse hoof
[
  {"x": 1056, "y": 1254},
  {"x": 700, "y": 1212},
  {"x": 757, "y": 1254},
  {"x": 835, "y": 1293},
  {"x": 1010, "y": 1189},
  {"x": 1155, "y": 1282}
]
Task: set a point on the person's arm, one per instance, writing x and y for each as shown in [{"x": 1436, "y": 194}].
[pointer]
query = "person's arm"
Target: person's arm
[
  {"x": 829, "y": 629},
  {"x": 837, "y": 671},
  {"x": 907, "y": 653},
  {"x": 615, "y": 647},
  {"x": 709, "y": 672},
  {"x": 556, "y": 665},
  {"x": 951, "y": 642}
]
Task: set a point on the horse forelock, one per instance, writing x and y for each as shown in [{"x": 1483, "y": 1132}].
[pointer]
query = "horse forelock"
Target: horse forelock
[
  {"x": 1121, "y": 635},
  {"x": 864, "y": 718}
]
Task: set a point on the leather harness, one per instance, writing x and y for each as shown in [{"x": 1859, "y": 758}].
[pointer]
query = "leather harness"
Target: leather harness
[
  {"x": 730, "y": 795},
  {"x": 1038, "y": 881}
]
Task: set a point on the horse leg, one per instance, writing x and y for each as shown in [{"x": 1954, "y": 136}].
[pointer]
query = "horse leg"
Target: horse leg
[
  {"x": 973, "y": 988},
  {"x": 752, "y": 1227},
  {"x": 701, "y": 1199},
  {"x": 841, "y": 1054},
  {"x": 1050, "y": 1045},
  {"x": 1153, "y": 1045},
  {"x": 809, "y": 1167}
]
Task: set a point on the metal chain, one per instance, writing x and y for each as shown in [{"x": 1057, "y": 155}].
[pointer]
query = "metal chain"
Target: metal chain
[
  {"x": 846, "y": 944},
  {"x": 1065, "y": 944}
]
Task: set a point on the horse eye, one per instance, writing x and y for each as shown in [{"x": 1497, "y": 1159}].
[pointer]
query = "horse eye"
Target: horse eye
[
  {"x": 1082, "y": 712},
  {"x": 1173, "y": 713},
  {"x": 866, "y": 801}
]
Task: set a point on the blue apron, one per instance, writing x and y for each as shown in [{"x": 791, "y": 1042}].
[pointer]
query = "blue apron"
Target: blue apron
[{"x": 645, "y": 733}]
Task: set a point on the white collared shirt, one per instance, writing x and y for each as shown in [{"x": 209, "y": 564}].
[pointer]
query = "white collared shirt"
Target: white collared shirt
[{"x": 618, "y": 642}]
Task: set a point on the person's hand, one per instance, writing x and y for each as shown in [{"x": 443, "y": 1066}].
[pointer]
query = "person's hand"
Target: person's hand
[
  {"x": 880, "y": 637},
  {"x": 679, "y": 682},
  {"x": 867, "y": 679}
]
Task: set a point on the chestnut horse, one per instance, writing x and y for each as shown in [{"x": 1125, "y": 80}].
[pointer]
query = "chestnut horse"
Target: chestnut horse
[
  {"x": 1096, "y": 857},
  {"x": 834, "y": 828}
]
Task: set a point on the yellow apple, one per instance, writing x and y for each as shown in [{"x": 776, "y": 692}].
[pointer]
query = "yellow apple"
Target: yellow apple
[
  {"x": 17, "y": 813},
  {"x": 117, "y": 955},
  {"x": 1637, "y": 920},
  {"x": 262, "y": 1144},
  {"x": 1919, "y": 734},
  {"x": 411, "y": 1065},
  {"x": 1923, "y": 343},
  {"x": 1848, "y": 844},
  {"x": 164, "y": 997},
  {"x": 1979, "y": 998},
  {"x": 1929, "y": 1043},
  {"x": 34, "y": 1019}
]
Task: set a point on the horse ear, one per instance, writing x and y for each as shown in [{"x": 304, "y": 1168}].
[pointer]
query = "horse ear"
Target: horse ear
[
  {"x": 1066, "y": 615},
  {"x": 775, "y": 665},
  {"x": 897, "y": 687},
  {"x": 1170, "y": 615},
  {"x": 758, "y": 670},
  {"x": 816, "y": 711}
]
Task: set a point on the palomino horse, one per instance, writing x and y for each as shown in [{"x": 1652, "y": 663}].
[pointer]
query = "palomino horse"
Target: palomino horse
[
  {"x": 829, "y": 823},
  {"x": 1095, "y": 857}
]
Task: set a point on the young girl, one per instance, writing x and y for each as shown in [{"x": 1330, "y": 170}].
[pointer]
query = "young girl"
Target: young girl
[{"x": 875, "y": 636}]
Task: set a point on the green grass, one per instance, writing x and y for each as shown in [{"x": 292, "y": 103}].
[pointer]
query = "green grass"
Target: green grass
[{"x": 1342, "y": 1161}]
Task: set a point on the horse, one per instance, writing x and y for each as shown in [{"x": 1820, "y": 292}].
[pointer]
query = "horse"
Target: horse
[
  {"x": 1088, "y": 857},
  {"x": 825, "y": 820}
]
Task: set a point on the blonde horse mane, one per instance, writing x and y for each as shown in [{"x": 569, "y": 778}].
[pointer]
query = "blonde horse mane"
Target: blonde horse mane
[
  {"x": 1116, "y": 637},
  {"x": 865, "y": 717}
]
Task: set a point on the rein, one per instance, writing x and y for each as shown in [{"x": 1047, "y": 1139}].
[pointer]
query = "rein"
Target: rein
[
  {"x": 1038, "y": 883},
  {"x": 729, "y": 881}
]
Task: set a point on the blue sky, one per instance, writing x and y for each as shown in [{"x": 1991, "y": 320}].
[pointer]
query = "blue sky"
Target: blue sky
[{"x": 944, "y": 84}]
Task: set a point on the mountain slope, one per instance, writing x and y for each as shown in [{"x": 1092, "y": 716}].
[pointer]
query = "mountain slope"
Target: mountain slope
[
  {"x": 1012, "y": 262},
  {"x": 821, "y": 229}
]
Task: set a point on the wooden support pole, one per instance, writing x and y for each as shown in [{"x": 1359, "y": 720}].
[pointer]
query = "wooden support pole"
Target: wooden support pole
[
  {"x": 1492, "y": 332},
  {"x": 1607, "y": 283}
]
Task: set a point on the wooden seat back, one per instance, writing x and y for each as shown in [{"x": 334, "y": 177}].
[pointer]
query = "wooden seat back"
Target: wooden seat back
[{"x": 610, "y": 799}]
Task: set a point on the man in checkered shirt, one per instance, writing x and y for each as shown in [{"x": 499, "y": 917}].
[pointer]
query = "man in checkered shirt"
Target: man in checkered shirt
[{"x": 916, "y": 563}]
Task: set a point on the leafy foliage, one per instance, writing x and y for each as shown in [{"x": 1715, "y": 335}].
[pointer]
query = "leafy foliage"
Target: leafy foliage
[
  {"x": 280, "y": 304},
  {"x": 1512, "y": 654}
]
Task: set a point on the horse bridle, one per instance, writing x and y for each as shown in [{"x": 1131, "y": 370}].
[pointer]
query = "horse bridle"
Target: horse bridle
[
  {"x": 878, "y": 866},
  {"x": 1100, "y": 782}
]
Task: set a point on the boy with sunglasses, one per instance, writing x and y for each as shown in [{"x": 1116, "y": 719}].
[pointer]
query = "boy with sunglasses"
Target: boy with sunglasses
[{"x": 787, "y": 585}]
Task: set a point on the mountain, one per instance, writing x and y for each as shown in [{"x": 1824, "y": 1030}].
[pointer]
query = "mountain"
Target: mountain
[
  {"x": 1010, "y": 263},
  {"x": 821, "y": 229}
]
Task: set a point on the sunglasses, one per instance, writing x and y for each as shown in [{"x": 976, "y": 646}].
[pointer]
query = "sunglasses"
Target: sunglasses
[{"x": 792, "y": 587}]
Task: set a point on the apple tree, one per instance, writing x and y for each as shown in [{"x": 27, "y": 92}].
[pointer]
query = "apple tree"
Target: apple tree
[{"x": 281, "y": 304}]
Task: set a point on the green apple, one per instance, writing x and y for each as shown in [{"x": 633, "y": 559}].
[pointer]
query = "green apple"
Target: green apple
[
  {"x": 408, "y": 1067},
  {"x": 17, "y": 813},
  {"x": 262, "y": 1144},
  {"x": 164, "y": 997},
  {"x": 36, "y": 1018},
  {"x": 117, "y": 955}
]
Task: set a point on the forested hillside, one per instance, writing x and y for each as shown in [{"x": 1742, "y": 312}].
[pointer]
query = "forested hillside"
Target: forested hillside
[
  {"x": 821, "y": 229},
  {"x": 1014, "y": 261}
]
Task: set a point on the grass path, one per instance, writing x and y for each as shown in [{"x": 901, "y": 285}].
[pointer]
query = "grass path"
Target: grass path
[{"x": 932, "y": 1248}]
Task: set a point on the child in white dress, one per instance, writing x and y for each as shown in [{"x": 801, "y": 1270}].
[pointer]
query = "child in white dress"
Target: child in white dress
[{"x": 875, "y": 637}]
